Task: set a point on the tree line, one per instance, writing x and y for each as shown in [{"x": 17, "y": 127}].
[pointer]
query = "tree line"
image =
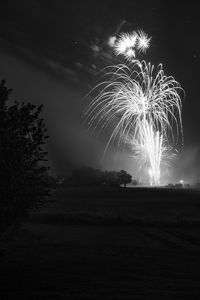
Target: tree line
[{"x": 87, "y": 176}]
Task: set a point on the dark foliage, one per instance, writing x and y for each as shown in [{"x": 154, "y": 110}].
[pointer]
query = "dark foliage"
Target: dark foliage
[
  {"x": 124, "y": 178},
  {"x": 87, "y": 176},
  {"x": 23, "y": 183}
]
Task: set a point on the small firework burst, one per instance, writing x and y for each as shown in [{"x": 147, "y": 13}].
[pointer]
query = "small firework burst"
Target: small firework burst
[{"x": 128, "y": 43}]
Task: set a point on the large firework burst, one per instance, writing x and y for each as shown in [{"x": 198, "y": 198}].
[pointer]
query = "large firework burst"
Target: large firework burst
[{"x": 144, "y": 103}]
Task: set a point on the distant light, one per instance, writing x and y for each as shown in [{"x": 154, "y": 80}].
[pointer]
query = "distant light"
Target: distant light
[{"x": 181, "y": 181}]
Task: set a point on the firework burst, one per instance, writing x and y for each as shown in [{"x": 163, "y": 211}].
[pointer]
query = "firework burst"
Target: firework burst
[
  {"x": 129, "y": 43},
  {"x": 142, "y": 102},
  {"x": 145, "y": 106}
]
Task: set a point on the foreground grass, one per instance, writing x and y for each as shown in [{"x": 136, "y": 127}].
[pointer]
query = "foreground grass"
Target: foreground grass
[
  {"x": 131, "y": 206},
  {"x": 107, "y": 244}
]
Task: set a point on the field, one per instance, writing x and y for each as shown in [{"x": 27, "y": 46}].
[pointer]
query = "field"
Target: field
[{"x": 134, "y": 243}]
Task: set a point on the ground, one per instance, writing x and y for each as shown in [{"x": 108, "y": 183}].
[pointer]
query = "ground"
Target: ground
[{"x": 107, "y": 244}]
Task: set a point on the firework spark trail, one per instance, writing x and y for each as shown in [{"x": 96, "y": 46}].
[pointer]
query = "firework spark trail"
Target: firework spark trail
[
  {"x": 150, "y": 150},
  {"x": 144, "y": 102},
  {"x": 153, "y": 144}
]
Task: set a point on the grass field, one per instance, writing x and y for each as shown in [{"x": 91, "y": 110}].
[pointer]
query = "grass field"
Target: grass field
[{"x": 134, "y": 243}]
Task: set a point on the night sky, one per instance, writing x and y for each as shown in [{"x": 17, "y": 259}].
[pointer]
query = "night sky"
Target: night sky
[{"x": 51, "y": 52}]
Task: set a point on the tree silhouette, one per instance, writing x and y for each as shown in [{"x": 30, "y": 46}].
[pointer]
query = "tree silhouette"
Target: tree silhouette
[
  {"x": 87, "y": 176},
  {"x": 124, "y": 178},
  {"x": 23, "y": 183}
]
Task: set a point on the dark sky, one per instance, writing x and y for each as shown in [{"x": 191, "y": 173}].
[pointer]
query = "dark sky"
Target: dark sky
[{"x": 51, "y": 51}]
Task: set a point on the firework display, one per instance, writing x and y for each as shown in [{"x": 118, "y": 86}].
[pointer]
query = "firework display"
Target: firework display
[{"x": 142, "y": 102}]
